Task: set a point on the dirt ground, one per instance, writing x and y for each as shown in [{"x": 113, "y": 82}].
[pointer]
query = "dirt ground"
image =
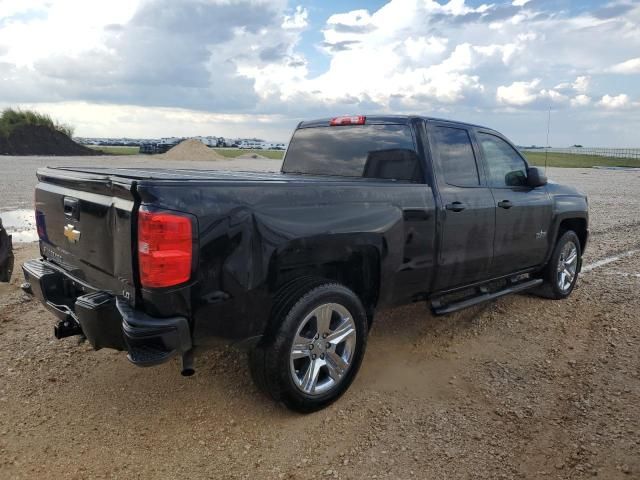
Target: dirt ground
[{"x": 518, "y": 388}]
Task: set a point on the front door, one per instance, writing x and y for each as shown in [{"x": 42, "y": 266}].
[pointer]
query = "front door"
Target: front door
[
  {"x": 523, "y": 214},
  {"x": 467, "y": 209}
]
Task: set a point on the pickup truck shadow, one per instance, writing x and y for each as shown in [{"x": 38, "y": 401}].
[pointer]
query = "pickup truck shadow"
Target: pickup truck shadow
[
  {"x": 223, "y": 383},
  {"x": 405, "y": 352},
  {"x": 400, "y": 336},
  {"x": 406, "y": 346}
]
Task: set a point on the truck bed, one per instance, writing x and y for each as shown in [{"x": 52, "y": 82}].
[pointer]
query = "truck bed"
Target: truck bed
[{"x": 129, "y": 175}]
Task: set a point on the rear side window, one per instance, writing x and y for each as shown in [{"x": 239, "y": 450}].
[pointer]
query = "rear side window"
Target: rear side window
[
  {"x": 372, "y": 151},
  {"x": 455, "y": 156},
  {"x": 506, "y": 167}
]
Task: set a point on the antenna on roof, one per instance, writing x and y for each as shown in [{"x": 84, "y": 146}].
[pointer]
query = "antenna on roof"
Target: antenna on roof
[{"x": 546, "y": 148}]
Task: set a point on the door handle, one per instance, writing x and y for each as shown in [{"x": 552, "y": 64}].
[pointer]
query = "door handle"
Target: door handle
[
  {"x": 71, "y": 208},
  {"x": 455, "y": 206},
  {"x": 506, "y": 204}
]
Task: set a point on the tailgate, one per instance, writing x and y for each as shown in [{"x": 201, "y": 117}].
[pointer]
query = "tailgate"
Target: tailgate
[{"x": 85, "y": 224}]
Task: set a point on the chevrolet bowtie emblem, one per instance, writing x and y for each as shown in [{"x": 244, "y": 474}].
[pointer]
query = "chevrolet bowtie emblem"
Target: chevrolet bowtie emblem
[{"x": 71, "y": 233}]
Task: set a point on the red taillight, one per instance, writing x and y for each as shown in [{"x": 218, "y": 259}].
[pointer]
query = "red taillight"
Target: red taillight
[
  {"x": 353, "y": 120},
  {"x": 165, "y": 248}
]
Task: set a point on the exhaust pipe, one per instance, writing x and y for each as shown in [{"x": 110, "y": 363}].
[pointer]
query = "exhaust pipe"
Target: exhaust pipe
[{"x": 187, "y": 363}]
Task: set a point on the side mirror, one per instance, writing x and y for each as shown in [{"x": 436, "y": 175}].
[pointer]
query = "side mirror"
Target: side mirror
[{"x": 535, "y": 177}]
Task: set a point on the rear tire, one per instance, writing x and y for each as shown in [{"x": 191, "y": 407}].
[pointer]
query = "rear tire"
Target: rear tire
[
  {"x": 561, "y": 273},
  {"x": 316, "y": 347}
]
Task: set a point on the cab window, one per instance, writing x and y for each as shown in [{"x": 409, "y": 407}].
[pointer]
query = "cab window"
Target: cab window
[
  {"x": 370, "y": 151},
  {"x": 455, "y": 157},
  {"x": 506, "y": 167}
]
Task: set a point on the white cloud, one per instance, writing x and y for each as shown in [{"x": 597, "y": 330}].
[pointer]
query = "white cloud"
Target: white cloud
[
  {"x": 11, "y": 8},
  {"x": 563, "y": 86},
  {"x": 148, "y": 122},
  {"x": 518, "y": 93},
  {"x": 615, "y": 101},
  {"x": 387, "y": 56},
  {"x": 423, "y": 49},
  {"x": 298, "y": 20},
  {"x": 581, "y": 84},
  {"x": 629, "y": 67},
  {"x": 519, "y": 3},
  {"x": 580, "y": 100},
  {"x": 554, "y": 96},
  {"x": 354, "y": 18},
  {"x": 69, "y": 26}
]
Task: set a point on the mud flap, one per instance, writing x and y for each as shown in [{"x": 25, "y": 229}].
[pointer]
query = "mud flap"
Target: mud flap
[{"x": 6, "y": 255}]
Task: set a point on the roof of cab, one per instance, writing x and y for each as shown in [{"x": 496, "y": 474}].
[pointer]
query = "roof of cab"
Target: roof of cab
[{"x": 388, "y": 120}]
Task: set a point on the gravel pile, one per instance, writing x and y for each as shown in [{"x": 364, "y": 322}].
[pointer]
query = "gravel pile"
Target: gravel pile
[{"x": 192, "y": 150}]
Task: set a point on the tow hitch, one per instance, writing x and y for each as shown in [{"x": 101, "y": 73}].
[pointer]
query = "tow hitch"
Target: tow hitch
[{"x": 67, "y": 328}]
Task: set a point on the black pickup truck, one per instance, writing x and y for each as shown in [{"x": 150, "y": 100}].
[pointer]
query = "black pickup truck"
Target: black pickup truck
[{"x": 367, "y": 212}]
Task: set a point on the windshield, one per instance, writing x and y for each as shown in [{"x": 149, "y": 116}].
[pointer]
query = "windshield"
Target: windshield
[{"x": 372, "y": 151}]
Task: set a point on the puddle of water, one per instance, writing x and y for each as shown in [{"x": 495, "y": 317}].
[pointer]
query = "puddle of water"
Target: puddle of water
[{"x": 20, "y": 224}]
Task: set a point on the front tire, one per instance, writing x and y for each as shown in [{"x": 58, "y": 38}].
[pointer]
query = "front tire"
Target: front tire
[
  {"x": 315, "y": 352},
  {"x": 561, "y": 273}
]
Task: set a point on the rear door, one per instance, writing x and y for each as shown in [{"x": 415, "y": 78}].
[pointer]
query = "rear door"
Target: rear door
[
  {"x": 467, "y": 209},
  {"x": 523, "y": 214}
]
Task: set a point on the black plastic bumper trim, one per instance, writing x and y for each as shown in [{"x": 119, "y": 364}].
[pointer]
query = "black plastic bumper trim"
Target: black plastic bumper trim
[
  {"x": 107, "y": 321},
  {"x": 151, "y": 340}
]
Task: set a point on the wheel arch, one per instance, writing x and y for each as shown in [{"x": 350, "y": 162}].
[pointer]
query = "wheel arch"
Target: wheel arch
[
  {"x": 576, "y": 224},
  {"x": 353, "y": 261}
]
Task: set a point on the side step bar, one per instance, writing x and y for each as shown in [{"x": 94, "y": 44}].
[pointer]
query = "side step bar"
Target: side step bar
[{"x": 442, "y": 309}]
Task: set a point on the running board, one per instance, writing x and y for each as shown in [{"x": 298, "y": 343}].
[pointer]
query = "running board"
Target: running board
[{"x": 442, "y": 309}]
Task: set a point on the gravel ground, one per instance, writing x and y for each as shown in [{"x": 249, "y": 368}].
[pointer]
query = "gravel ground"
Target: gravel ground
[{"x": 518, "y": 388}]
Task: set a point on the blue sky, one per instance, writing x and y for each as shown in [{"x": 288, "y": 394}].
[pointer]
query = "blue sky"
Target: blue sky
[
  {"x": 151, "y": 68},
  {"x": 319, "y": 13}
]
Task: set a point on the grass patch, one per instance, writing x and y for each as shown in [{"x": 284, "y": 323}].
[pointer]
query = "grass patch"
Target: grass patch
[
  {"x": 15, "y": 118},
  {"x": 571, "y": 160},
  {"x": 236, "y": 152},
  {"x": 115, "y": 150}
]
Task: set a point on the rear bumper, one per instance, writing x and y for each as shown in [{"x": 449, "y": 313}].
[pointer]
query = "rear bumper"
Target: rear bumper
[{"x": 105, "y": 320}]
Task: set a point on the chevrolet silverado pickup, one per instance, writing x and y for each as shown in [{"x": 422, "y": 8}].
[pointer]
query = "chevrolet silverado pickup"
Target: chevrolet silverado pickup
[{"x": 366, "y": 213}]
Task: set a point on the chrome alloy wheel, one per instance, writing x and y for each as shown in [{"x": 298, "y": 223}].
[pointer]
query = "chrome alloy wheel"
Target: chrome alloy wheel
[
  {"x": 323, "y": 349},
  {"x": 567, "y": 266}
]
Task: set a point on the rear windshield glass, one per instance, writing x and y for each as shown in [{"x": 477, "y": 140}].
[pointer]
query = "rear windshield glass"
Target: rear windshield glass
[{"x": 372, "y": 151}]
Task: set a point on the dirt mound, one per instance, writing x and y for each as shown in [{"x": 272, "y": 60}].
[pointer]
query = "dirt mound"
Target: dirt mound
[
  {"x": 252, "y": 156},
  {"x": 40, "y": 140},
  {"x": 192, "y": 149}
]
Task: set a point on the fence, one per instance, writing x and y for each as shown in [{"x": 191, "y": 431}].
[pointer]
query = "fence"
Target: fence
[{"x": 633, "y": 153}]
